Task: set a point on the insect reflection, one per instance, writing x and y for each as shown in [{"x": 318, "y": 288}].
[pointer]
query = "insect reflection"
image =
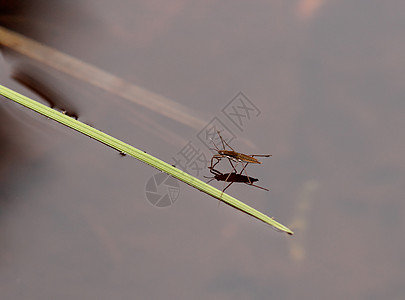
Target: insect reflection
[{"x": 231, "y": 178}]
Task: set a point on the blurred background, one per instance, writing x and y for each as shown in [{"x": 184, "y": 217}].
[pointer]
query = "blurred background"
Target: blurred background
[{"x": 325, "y": 82}]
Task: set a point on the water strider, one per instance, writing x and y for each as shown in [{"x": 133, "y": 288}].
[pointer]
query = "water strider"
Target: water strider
[{"x": 232, "y": 155}]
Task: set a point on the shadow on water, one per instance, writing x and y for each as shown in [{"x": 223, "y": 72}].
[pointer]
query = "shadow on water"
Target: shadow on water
[{"x": 29, "y": 77}]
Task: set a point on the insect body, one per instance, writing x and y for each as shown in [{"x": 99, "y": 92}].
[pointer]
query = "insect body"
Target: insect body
[
  {"x": 232, "y": 155},
  {"x": 238, "y": 157}
]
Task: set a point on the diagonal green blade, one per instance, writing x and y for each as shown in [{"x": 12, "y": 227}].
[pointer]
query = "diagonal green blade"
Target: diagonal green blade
[{"x": 140, "y": 155}]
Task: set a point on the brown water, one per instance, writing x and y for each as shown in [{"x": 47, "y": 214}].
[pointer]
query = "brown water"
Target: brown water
[{"x": 324, "y": 84}]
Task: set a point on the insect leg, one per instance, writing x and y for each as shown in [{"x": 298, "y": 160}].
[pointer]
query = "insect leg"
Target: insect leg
[
  {"x": 211, "y": 179},
  {"x": 260, "y": 187},
  {"x": 224, "y": 142},
  {"x": 244, "y": 169},
  {"x": 217, "y": 157},
  {"x": 224, "y": 191},
  {"x": 226, "y": 187},
  {"x": 233, "y": 167},
  {"x": 228, "y": 145}
]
